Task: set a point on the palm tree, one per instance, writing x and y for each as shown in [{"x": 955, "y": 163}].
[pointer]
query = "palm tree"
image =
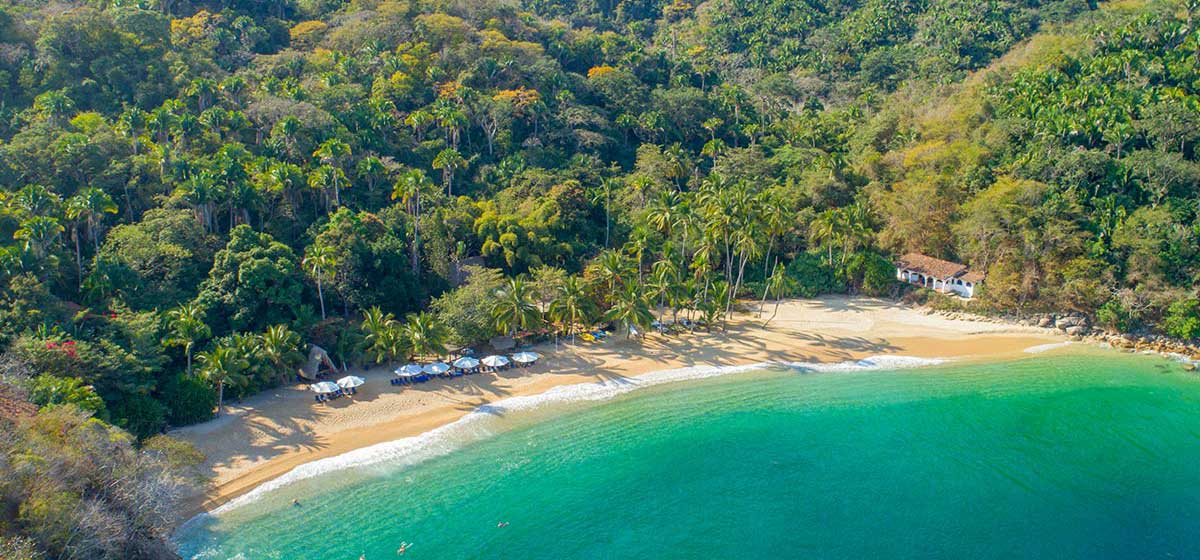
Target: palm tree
[
  {"x": 449, "y": 161},
  {"x": 222, "y": 366},
  {"x": 91, "y": 204},
  {"x": 611, "y": 268},
  {"x": 408, "y": 189},
  {"x": 380, "y": 329},
  {"x": 825, "y": 229},
  {"x": 187, "y": 328},
  {"x": 631, "y": 309},
  {"x": 319, "y": 262},
  {"x": 281, "y": 347},
  {"x": 775, "y": 284},
  {"x": 514, "y": 308},
  {"x": 426, "y": 334},
  {"x": 664, "y": 280},
  {"x": 38, "y": 233},
  {"x": 572, "y": 306},
  {"x": 331, "y": 152}
]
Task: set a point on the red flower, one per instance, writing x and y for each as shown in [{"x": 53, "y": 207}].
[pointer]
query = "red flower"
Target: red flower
[
  {"x": 51, "y": 345},
  {"x": 69, "y": 343}
]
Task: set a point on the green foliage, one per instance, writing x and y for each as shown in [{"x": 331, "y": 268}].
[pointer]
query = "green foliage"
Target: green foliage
[
  {"x": 190, "y": 400},
  {"x": 47, "y": 390},
  {"x": 812, "y": 276},
  {"x": 254, "y": 282},
  {"x": 467, "y": 310},
  {"x": 1183, "y": 319},
  {"x": 871, "y": 273}
]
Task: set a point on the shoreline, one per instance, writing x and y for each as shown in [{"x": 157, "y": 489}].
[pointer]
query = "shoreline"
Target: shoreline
[{"x": 269, "y": 435}]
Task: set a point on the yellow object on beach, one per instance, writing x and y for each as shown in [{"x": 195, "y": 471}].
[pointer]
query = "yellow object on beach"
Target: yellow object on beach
[{"x": 588, "y": 337}]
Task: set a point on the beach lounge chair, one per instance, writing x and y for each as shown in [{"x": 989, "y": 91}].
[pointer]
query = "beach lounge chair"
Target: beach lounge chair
[{"x": 588, "y": 337}]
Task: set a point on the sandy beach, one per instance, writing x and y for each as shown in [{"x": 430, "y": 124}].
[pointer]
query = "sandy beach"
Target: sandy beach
[{"x": 269, "y": 434}]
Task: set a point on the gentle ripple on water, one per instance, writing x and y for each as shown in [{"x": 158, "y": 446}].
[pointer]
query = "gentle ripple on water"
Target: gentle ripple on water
[{"x": 1062, "y": 454}]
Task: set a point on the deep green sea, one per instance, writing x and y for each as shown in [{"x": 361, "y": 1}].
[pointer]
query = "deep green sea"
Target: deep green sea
[{"x": 1071, "y": 454}]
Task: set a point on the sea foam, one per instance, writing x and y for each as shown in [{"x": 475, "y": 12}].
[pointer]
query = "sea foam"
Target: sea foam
[{"x": 474, "y": 425}]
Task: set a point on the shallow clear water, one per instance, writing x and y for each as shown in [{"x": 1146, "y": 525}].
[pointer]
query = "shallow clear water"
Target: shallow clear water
[{"x": 1074, "y": 455}]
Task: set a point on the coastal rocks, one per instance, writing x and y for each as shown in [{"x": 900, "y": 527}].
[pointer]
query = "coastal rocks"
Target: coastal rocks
[{"x": 1077, "y": 331}]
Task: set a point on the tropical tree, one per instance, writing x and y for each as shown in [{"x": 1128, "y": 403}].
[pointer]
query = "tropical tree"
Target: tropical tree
[
  {"x": 408, "y": 190},
  {"x": 514, "y": 307},
  {"x": 631, "y": 310},
  {"x": 449, "y": 161},
  {"x": 426, "y": 334},
  {"x": 319, "y": 262},
  {"x": 222, "y": 366},
  {"x": 776, "y": 285},
  {"x": 281, "y": 347},
  {"x": 187, "y": 328},
  {"x": 331, "y": 153},
  {"x": 573, "y": 305}
]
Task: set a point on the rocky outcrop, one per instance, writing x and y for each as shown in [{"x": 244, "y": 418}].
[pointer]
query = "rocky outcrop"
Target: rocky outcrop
[{"x": 1079, "y": 327}]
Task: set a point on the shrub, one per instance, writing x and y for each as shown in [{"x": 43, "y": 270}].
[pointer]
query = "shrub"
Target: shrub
[
  {"x": 1183, "y": 319},
  {"x": 1113, "y": 315},
  {"x": 872, "y": 273},
  {"x": 189, "y": 400},
  {"x": 139, "y": 415},
  {"x": 49, "y": 390},
  {"x": 812, "y": 276}
]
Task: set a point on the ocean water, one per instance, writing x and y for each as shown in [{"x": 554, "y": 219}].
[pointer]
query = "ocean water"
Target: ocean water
[{"x": 1068, "y": 453}]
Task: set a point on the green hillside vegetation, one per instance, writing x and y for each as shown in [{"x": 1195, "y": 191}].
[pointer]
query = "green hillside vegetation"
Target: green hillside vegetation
[{"x": 194, "y": 190}]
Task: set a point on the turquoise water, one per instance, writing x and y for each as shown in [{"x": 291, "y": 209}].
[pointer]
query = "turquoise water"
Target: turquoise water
[{"x": 1079, "y": 455}]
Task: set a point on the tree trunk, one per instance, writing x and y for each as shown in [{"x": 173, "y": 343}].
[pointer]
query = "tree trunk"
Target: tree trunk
[
  {"x": 321, "y": 296},
  {"x": 220, "y": 396}
]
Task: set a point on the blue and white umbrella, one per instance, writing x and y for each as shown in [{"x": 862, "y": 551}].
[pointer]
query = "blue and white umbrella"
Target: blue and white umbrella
[
  {"x": 495, "y": 361},
  {"x": 436, "y": 368},
  {"x": 324, "y": 387},
  {"x": 410, "y": 370},
  {"x": 525, "y": 357},
  {"x": 350, "y": 382},
  {"x": 466, "y": 363}
]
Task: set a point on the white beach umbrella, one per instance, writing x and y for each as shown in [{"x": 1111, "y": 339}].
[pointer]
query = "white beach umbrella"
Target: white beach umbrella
[
  {"x": 436, "y": 368},
  {"x": 324, "y": 387},
  {"x": 495, "y": 361},
  {"x": 525, "y": 357},
  {"x": 466, "y": 363},
  {"x": 350, "y": 382},
  {"x": 409, "y": 370}
]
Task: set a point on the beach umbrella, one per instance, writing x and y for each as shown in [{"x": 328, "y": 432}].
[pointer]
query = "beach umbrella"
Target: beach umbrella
[
  {"x": 324, "y": 387},
  {"x": 350, "y": 382},
  {"x": 436, "y": 368},
  {"x": 466, "y": 363},
  {"x": 495, "y": 361},
  {"x": 525, "y": 357},
  {"x": 409, "y": 370}
]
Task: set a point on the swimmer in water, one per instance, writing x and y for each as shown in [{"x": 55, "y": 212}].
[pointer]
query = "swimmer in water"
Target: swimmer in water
[
  {"x": 502, "y": 525},
  {"x": 404, "y": 546},
  {"x": 295, "y": 503}
]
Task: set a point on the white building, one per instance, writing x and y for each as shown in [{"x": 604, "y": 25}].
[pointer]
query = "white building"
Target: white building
[{"x": 938, "y": 275}]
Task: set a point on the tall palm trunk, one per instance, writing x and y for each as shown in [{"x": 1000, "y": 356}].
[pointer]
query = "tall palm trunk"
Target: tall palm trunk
[{"x": 321, "y": 295}]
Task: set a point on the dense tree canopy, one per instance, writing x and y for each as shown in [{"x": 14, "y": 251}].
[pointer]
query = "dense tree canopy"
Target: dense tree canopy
[{"x": 191, "y": 191}]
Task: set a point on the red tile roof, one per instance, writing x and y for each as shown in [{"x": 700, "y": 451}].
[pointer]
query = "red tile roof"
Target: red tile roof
[{"x": 930, "y": 266}]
